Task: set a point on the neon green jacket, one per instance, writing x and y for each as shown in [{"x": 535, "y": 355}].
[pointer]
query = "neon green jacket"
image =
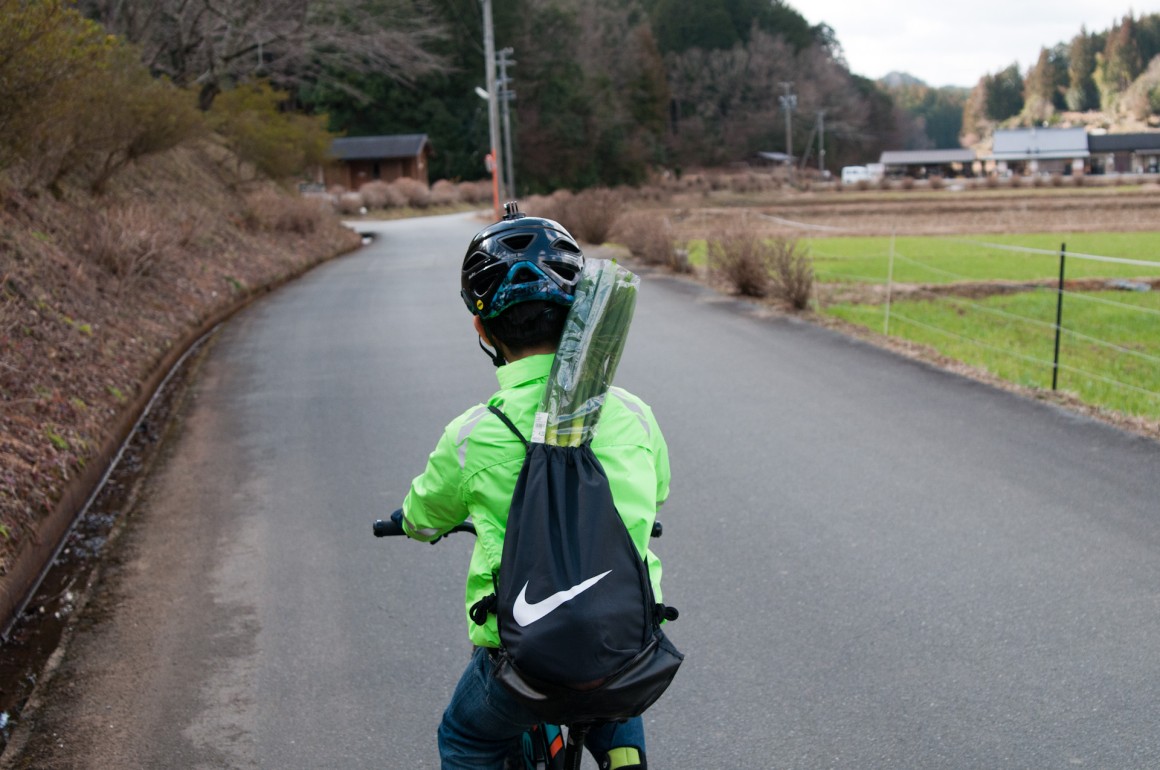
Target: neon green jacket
[{"x": 474, "y": 468}]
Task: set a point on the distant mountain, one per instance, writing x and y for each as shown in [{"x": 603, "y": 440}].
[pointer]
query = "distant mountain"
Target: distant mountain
[{"x": 900, "y": 79}]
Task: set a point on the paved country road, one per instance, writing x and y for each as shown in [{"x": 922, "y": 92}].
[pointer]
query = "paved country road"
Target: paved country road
[{"x": 878, "y": 564}]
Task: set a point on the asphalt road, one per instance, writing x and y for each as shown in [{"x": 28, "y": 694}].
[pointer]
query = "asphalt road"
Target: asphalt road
[{"x": 878, "y": 564}]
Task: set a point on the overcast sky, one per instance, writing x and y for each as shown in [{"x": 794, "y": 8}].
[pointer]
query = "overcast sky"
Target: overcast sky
[{"x": 947, "y": 43}]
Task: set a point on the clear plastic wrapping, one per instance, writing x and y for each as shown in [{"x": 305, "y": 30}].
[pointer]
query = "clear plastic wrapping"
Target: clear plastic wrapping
[{"x": 589, "y": 352}]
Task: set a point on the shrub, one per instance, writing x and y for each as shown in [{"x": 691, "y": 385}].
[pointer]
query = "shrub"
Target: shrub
[
  {"x": 1038, "y": 181},
  {"x": 1057, "y": 180},
  {"x": 414, "y": 192},
  {"x": 749, "y": 182},
  {"x": 45, "y": 48},
  {"x": 907, "y": 183},
  {"x": 742, "y": 259},
  {"x": 936, "y": 183},
  {"x": 648, "y": 236},
  {"x": 129, "y": 115},
  {"x": 444, "y": 193},
  {"x": 992, "y": 181},
  {"x": 276, "y": 143},
  {"x": 863, "y": 184},
  {"x": 475, "y": 192},
  {"x": 554, "y": 206},
  {"x": 1016, "y": 181},
  {"x": 379, "y": 195},
  {"x": 757, "y": 267},
  {"x": 591, "y": 214},
  {"x": 1077, "y": 180},
  {"x": 884, "y": 183},
  {"x": 350, "y": 203},
  {"x": 792, "y": 273},
  {"x": 78, "y": 102}
]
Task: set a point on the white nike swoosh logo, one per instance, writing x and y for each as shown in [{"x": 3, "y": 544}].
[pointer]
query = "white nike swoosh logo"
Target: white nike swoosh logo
[{"x": 525, "y": 614}]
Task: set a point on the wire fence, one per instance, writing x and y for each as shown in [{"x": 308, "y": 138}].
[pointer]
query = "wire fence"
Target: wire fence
[{"x": 1064, "y": 332}]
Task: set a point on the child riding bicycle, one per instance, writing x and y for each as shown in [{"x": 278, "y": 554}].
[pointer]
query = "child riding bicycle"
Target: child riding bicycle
[{"x": 519, "y": 278}]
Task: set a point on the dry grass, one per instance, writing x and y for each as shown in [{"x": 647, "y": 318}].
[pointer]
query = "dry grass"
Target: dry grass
[
  {"x": 273, "y": 212},
  {"x": 95, "y": 292},
  {"x": 945, "y": 212},
  {"x": 133, "y": 241}
]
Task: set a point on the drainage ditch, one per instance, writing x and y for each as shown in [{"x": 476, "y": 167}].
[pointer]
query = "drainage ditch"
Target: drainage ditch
[{"x": 38, "y": 631}]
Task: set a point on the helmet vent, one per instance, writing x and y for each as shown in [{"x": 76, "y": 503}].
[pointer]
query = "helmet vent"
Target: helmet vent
[
  {"x": 518, "y": 242},
  {"x": 475, "y": 262},
  {"x": 566, "y": 245}
]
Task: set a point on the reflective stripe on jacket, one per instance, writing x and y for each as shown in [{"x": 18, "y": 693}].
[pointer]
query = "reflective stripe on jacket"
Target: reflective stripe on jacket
[{"x": 474, "y": 468}]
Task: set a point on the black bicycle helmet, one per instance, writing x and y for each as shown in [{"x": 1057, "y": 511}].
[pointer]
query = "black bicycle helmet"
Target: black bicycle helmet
[{"x": 520, "y": 259}]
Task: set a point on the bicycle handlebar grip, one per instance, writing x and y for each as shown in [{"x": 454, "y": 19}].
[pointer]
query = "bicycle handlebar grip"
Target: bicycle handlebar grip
[{"x": 392, "y": 527}]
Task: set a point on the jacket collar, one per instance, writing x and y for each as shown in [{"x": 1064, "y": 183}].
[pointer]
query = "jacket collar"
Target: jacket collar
[{"x": 525, "y": 370}]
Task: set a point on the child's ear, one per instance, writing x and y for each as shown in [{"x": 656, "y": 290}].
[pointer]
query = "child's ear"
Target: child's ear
[{"x": 481, "y": 331}]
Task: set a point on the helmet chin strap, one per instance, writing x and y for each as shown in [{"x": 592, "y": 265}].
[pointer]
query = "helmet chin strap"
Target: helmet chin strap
[{"x": 495, "y": 356}]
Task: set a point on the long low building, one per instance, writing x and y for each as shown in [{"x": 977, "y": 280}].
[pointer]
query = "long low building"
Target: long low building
[
  {"x": 1035, "y": 151},
  {"x": 1039, "y": 151},
  {"x": 928, "y": 163},
  {"x": 1125, "y": 153}
]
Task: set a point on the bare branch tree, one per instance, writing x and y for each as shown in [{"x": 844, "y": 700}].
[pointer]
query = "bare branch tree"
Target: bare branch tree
[{"x": 212, "y": 44}]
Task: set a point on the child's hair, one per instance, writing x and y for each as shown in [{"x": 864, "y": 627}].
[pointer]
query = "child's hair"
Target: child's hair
[{"x": 528, "y": 325}]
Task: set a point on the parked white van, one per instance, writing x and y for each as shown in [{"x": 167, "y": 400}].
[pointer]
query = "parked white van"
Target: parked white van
[{"x": 855, "y": 174}]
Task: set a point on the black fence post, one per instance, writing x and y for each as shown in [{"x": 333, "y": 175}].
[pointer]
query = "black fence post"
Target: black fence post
[{"x": 1058, "y": 317}]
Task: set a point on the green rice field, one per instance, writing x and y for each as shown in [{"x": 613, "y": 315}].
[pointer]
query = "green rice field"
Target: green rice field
[
  {"x": 1110, "y": 345},
  {"x": 947, "y": 260}
]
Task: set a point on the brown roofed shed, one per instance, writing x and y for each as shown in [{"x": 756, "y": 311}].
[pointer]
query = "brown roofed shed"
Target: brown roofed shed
[{"x": 361, "y": 159}]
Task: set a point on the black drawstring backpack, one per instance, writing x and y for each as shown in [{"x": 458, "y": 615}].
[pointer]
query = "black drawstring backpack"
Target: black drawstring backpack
[{"x": 579, "y": 626}]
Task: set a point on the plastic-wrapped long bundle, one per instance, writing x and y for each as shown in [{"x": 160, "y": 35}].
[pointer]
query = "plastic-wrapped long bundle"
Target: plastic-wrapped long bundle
[{"x": 589, "y": 352}]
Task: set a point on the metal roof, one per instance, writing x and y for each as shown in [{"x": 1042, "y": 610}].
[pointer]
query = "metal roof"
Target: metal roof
[
  {"x": 775, "y": 157},
  {"x": 926, "y": 157},
  {"x": 378, "y": 147},
  {"x": 1124, "y": 142},
  {"x": 1040, "y": 143}
]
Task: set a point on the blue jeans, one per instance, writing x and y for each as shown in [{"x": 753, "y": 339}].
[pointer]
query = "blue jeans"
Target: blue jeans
[{"x": 482, "y": 721}]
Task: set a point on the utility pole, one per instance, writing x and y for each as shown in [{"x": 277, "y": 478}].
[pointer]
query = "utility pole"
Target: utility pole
[
  {"x": 506, "y": 96},
  {"x": 788, "y": 102},
  {"x": 822, "y": 143},
  {"x": 492, "y": 100}
]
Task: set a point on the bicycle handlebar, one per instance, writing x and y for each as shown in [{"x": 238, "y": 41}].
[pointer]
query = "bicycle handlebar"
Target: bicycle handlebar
[{"x": 393, "y": 527}]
